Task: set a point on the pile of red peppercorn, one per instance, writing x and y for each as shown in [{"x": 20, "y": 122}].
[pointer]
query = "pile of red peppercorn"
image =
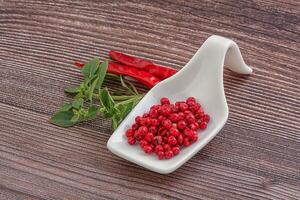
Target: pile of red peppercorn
[{"x": 167, "y": 127}]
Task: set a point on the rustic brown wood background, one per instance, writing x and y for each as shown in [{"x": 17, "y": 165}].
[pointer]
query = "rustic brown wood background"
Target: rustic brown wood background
[{"x": 255, "y": 156}]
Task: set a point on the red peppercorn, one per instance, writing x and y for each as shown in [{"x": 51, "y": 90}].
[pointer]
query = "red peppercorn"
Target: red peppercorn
[
  {"x": 177, "y": 104},
  {"x": 167, "y": 147},
  {"x": 191, "y": 99},
  {"x": 183, "y": 107},
  {"x": 165, "y": 110},
  {"x": 187, "y": 112},
  {"x": 143, "y": 129},
  {"x": 194, "y": 108},
  {"x": 141, "y": 121},
  {"x": 176, "y": 150},
  {"x": 145, "y": 115},
  {"x": 162, "y": 131},
  {"x": 199, "y": 114},
  {"x": 174, "y": 109},
  {"x": 194, "y": 138},
  {"x": 187, "y": 132},
  {"x": 158, "y": 139},
  {"x": 181, "y": 116},
  {"x": 181, "y": 124},
  {"x": 129, "y": 133},
  {"x": 194, "y": 126},
  {"x": 191, "y": 103},
  {"x": 152, "y": 129},
  {"x": 180, "y": 139},
  {"x": 164, "y": 101},
  {"x": 161, "y": 155},
  {"x": 143, "y": 143},
  {"x": 203, "y": 125},
  {"x": 135, "y": 126},
  {"x": 186, "y": 142},
  {"x": 131, "y": 140},
  {"x": 167, "y": 123},
  {"x": 147, "y": 121},
  {"x": 138, "y": 135},
  {"x": 165, "y": 139},
  {"x": 174, "y": 131},
  {"x": 148, "y": 149},
  {"x": 161, "y": 118},
  {"x": 138, "y": 119},
  {"x": 153, "y": 113},
  {"x": 174, "y": 117},
  {"x": 156, "y": 107},
  {"x": 149, "y": 137},
  {"x": 206, "y": 118},
  {"x": 158, "y": 148},
  {"x": 172, "y": 140},
  {"x": 190, "y": 118},
  {"x": 154, "y": 122},
  {"x": 169, "y": 154}
]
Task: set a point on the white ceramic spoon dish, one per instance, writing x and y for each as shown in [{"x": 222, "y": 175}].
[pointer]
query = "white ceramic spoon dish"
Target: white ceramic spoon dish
[{"x": 202, "y": 78}]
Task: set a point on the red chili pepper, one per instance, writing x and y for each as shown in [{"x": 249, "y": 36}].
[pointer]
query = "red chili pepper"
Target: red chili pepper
[
  {"x": 79, "y": 64},
  {"x": 144, "y": 77},
  {"x": 156, "y": 70}
]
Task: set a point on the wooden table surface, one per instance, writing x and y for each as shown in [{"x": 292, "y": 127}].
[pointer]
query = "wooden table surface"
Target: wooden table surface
[{"x": 255, "y": 156}]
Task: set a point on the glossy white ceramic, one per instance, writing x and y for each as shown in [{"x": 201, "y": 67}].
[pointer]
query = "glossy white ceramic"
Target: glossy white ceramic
[{"x": 202, "y": 77}]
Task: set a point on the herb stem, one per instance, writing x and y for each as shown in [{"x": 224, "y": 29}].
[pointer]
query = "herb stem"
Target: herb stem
[
  {"x": 122, "y": 98},
  {"x": 135, "y": 98},
  {"x": 125, "y": 97}
]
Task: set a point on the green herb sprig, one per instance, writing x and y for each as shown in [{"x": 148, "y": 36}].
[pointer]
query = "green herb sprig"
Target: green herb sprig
[{"x": 90, "y": 98}]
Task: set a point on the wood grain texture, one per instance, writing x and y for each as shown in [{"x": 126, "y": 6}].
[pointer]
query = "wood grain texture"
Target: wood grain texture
[{"x": 255, "y": 156}]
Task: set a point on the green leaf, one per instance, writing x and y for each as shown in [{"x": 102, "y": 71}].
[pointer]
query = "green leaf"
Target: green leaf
[
  {"x": 106, "y": 100},
  {"x": 75, "y": 118},
  {"x": 90, "y": 80},
  {"x": 77, "y": 103},
  {"x": 115, "y": 123},
  {"x": 72, "y": 90},
  {"x": 91, "y": 89},
  {"x": 66, "y": 107},
  {"x": 92, "y": 112},
  {"x": 79, "y": 96},
  {"x": 80, "y": 91},
  {"x": 108, "y": 103},
  {"x": 126, "y": 109},
  {"x": 108, "y": 113},
  {"x": 90, "y": 68},
  {"x": 63, "y": 119},
  {"x": 101, "y": 74}
]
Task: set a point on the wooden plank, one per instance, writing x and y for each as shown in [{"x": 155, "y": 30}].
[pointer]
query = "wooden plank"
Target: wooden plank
[
  {"x": 77, "y": 159},
  {"x": 6, "y": 193},
  {"x": 255, "y": 156}
]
